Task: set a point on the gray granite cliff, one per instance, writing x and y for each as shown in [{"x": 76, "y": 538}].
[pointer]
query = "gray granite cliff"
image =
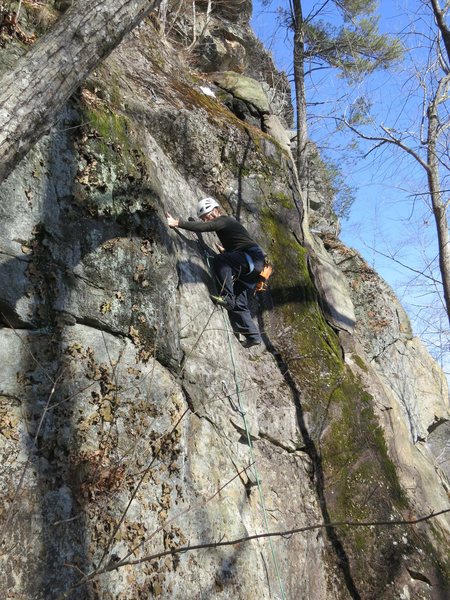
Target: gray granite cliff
[{"x": 133, "y": 423}]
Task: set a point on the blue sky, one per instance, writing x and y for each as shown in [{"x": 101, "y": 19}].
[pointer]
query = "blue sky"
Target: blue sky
[{"x": 386, "y": 217}]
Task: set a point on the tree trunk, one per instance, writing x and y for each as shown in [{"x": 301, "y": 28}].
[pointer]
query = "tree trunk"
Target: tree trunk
[
  {"x": 300, "y": 96},
  {"x": 43, "y": 80},
  {"x": 439, "y": 15},
  {"x": 438, "y": 205}
]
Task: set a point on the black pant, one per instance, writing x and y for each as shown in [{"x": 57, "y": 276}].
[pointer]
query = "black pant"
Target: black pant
[{"x": 235, "y": 282}]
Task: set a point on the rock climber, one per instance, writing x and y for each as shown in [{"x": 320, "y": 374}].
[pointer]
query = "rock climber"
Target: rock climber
[{"x": 236, "y": 268}]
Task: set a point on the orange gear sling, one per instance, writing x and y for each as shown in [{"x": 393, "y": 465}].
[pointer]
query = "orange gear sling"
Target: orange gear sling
[{"x": 263, "y": 283}]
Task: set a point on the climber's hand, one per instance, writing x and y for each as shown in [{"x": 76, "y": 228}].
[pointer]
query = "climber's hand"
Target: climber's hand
[
  {"x": 171, "y": 222},
  {"x": 220, "y": 248}
]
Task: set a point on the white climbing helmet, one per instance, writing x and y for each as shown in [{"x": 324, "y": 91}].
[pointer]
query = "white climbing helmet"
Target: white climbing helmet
[{"x": 206, "y": 205}]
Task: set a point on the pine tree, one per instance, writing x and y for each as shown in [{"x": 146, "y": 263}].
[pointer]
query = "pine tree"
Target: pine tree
[{"x": 354, "y": 47}]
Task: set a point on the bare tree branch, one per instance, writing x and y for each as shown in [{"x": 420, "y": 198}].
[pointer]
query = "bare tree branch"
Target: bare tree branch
[
  {"x": 399, "y": 262},
  {"x": 91, "y": 576},
  {"x": 286, "y": 533},
  {"x": 390, "y": 139},
  {"x": 188, "y": 510},
  {"x": 397, "y": 142}
]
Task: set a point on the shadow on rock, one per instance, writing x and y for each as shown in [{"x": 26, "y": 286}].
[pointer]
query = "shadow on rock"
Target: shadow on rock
[{"x": 44, "y": 532}]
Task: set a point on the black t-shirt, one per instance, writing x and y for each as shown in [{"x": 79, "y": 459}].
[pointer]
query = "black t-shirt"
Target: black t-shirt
[{"x": 232, "y": 235}]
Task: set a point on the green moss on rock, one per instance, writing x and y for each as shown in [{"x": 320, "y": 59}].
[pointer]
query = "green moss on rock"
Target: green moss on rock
[
  {"x": 112, "y": 129},
  {"x": 355, "y": 453},
  {"x": 358, "y": 480},
  {"x": 282, "y": 199},
  {"x": 295, "y": 297},
  {"x": 112, "y": 165},
  {"x": 359, "y": 361}
]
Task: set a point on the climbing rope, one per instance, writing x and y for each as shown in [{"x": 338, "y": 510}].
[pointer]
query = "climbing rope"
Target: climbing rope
[
  {"x": 240, "y": 408},
  {"x": 252, "y": 457}
]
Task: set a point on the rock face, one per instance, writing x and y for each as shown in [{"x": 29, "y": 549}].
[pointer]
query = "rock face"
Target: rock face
[
  {"x": 244, "y": 88},
  {"x": 133, "y": 423}
]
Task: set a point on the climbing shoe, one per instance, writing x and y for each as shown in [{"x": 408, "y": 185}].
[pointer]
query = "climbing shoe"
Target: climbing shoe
[
  {"x": 250, "y": 343},
  {"x": 222, "y": 301}
]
